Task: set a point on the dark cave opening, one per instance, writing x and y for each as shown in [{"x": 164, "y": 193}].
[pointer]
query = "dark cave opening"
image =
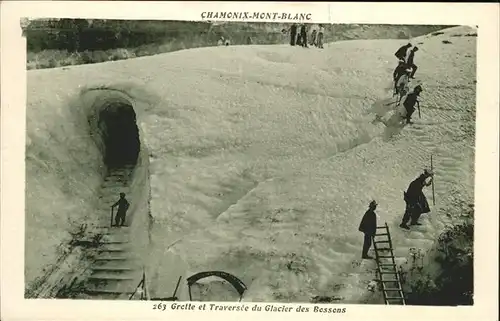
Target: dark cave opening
[{"x": 120, "y": 134}]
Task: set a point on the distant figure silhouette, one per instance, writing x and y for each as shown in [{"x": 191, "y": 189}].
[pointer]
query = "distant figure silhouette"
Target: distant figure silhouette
[
  {"x": 312, "y": 42},
  {"x": 410, "y": 62},
  {"x": 401, "y": 53},
  {"x": 410, "y": 101},
  {"x": 416, "y": 202},
  {"x": 303, "y": 35},
  {"x": 123, "y": 206},
  {"x": 321, "y": 32},
  {"x": 293, "y": 34},
  {"x": 368, "y": 226}
]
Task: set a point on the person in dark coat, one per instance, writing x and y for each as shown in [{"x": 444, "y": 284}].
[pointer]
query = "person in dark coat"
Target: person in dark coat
[
  {"x": 401, "y": 53},
  {"x": 410, "y": 102},
  {"x": 368, "y": 226},
  {"x": 410, "y": 62},
  {"x": 123, "y": 206},
  {"x": 416, "y": 202},
  {"x": 303, "y": 35},
  {"x": 293, "y": 34}
]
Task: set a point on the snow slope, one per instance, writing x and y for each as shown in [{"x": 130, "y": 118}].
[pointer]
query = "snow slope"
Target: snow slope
[{"x": 263, "y": 158}]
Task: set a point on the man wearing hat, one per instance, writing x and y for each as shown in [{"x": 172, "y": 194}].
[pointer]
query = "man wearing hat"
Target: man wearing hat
[
  {"x": 401, "y": 53},
  {"x": 123, "y": 206},
  {"x": 410, "y": 101},
  {"x": 416, "y": 202},
  {"x": 368, "y": 226}
]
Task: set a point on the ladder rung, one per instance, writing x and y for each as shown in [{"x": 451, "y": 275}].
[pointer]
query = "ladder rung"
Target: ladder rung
[
  {"x": 394, "y": 298},
  {"x": 385, "y": 249},
  {"x": 381, "y": 234},
  {"x": 393, "y": 289},
  {"x": 384, "y": 272},
  {"x": 385, "y": 257},
  {"x": 379, "y": 227},
  {"x": 387, "y": 264},
  {"x": 382, "y": 241},
  {"x": 392, "y": 270}
]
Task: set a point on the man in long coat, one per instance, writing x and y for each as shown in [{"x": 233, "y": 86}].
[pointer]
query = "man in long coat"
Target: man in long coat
[
  {"x": 416, "y": 202},
  {"x": 293, "y": 34},
  {"x": 368, "y": 226}
]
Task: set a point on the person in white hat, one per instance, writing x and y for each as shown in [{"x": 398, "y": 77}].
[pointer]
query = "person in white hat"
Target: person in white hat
[
  {"x": 368, "y": 226},
  {"x": 416, "y": 202}
]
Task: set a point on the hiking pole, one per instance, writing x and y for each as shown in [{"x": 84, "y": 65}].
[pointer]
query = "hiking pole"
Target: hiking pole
[
  {"x": 111, "y": 220},
  {"x": 419, "y": 116},
  {"x": 176, "y": 288},
  {"x": 433, "y": 193}
]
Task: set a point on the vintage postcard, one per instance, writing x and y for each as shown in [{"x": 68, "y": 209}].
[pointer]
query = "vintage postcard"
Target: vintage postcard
[{"x": 167, "y": 160}]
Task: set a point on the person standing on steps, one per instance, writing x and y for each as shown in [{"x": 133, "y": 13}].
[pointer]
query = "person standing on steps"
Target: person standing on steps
[
  {"x": 123, "y": 206},
  {"x": 416, "y": 202},
  {"x": 401, "y": 53},
  {"x": 368, "y": 226},
  {"x": 410, "y": 101},
  {"x": 410, "y": 63}
]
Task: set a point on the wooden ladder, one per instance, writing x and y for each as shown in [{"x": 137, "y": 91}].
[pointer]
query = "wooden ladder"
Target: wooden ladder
[{"x": 387, "y": 272}]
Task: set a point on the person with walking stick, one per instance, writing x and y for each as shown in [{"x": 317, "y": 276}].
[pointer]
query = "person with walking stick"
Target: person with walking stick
[
  {"x": 416, "y": 202},
  {"x": 123, "y": 206},
  {"x": 410, "y": 101}
]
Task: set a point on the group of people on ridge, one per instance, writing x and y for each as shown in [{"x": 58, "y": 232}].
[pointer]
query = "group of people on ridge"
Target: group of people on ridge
[
  {"x": 414, "y": 197},
  {"x": 300, "y": 38},
  {"x": 402, "y": 75},
  {"x": 416, "y": 205}
]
